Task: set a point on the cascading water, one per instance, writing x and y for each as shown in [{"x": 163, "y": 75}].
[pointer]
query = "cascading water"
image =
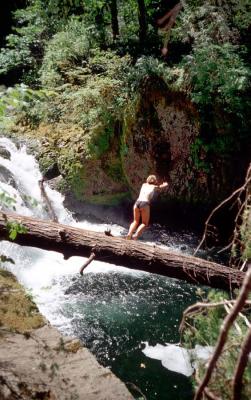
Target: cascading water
[{"x": 119, "y": 314}]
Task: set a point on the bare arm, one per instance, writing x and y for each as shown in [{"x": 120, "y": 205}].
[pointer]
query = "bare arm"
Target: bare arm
[{"x": 163, "y": 185}]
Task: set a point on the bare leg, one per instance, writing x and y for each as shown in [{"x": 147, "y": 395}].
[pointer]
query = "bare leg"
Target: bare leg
[
  {"x": 145, "y": 216},
  {"x": 135, "y": 223}
]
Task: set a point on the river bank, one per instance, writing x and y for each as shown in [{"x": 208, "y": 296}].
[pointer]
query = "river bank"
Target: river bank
[{"x": 38, "y": 362}]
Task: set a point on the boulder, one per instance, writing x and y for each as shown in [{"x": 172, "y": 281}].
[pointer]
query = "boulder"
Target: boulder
[{"x": 4, "y": 153}]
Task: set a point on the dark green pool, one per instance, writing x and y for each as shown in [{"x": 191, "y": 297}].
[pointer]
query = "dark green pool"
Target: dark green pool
[{"x": 115, "y": 313}]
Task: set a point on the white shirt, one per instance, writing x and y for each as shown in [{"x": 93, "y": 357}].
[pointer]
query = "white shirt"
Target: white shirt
[{"x": 146, "y": 192}]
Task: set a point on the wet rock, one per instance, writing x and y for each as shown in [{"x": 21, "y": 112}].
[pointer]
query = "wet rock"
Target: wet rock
[
  {"x": 51, "y": 172},
  {"x": 7, "y": 177},
  {"x": 72, "y": 346},
  {"x": 33, "y": 368},
  {"x": 37, "y": 362},
  {"x": 4, "y": 153},
  {"x": 55, "y": 183},
  {"x": 160, "y": 142}
]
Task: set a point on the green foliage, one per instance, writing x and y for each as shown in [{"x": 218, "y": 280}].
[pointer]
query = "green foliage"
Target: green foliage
[
  {"x": 203, "y": 328},
  {"x": 206, "y": 21},
  {"x": 211, "y": 80},
  {"x": 73, "y": 170},
  {"x": 100, "y": 139},
  {"x": 24, "y": 48},
  {"x": 201, "y": 151},
  {"x": 35, "y": 24},
  {"x": 242, "y": 14},
  {"x": 30, "y": 200},
  {"x": 23, "y": 103},
  {"x": 144, "y": 69},
  {"x": 198, "y": 153},
  {"x": 65, "y": 50},
  {"x": 41, "y": 19},
  {"x": 245, "y": 232},
  {"x": 128, "y": 23},
  {"x": 114, "y": 170},
  {"x": 95, "y": 104},
  {"x": 14, "y": 228},
  {"x": 6, "y": 200},
  {"x": 206, "y": 323}
]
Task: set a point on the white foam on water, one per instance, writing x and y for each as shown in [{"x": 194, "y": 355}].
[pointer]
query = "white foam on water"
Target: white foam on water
[
  {"x": 178, "y": 359},
  {"x": 172, "y": 357}
]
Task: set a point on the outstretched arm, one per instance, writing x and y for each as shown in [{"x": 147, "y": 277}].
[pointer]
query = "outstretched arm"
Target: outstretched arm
[{"x": 162, "y": 186}]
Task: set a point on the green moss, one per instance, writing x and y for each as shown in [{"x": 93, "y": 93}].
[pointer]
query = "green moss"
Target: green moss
[
  {"x": 75, "y": 179},
  {"x": 109, "y": 199},
  {"x": 18, "y": 312},
  {"x": 246, "y": 233},
  {"x": 101, "y": 138},
  {"x": 46, "y": 161}
]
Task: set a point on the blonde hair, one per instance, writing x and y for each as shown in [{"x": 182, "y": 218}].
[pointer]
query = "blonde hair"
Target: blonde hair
[{"x": 152, "y": 179}]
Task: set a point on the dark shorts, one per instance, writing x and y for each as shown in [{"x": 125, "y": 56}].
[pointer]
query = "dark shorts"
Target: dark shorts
[{"x": 141, "y": 204}]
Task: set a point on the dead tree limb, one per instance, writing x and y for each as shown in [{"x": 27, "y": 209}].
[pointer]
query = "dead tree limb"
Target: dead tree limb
[
  {"x": 238, "y": 192},
  {"x": 197, "y": 307},
  {"x": 166, "y": 23},
  {"x": 132, "y": 254},
  {"x": 92, "y": 256},
  {"x": 241, "y": 365},
  {"x": 208, "y": 393},
  {"x": 47, "y": 201},
  {"x": 227, "y": 323}
]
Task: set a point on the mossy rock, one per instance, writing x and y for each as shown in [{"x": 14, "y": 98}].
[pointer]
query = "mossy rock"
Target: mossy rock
[
  {"x": 18, "y": 312},
  {"x": 159, "y": 128}
]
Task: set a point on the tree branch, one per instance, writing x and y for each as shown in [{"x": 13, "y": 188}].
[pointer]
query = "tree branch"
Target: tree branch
[
  {"x": 227, "y": 323},
  {"x": 241, "y": 365}
]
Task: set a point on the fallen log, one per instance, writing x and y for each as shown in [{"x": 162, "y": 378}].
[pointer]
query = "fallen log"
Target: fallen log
[{"x": 116, "y": 250}]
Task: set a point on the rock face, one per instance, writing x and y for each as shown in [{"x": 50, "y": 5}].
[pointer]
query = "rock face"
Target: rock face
[
  {"x": 155, "y": 138},
  {"x": 37, "y": 362},
  {"x": 159, "y": 139},
  {"x": 46, "y": 365}
]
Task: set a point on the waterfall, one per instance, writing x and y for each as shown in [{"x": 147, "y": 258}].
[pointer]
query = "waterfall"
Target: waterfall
[
  {"x": 112, "y": 309},
  {"x": 36, "y": 269}
]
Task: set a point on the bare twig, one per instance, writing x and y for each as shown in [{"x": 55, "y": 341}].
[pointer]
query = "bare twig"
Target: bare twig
[
  {"x": 243, "y": 265},
  {"x": 241, "y": 365},
  {"x": 92, "y": 256},
  {"x": 237, "y": 327},
  {"x": 195, "y": 308},
  {"x": 136, "y": 388},
  {"x": 242, "y": 316},
  {"x": 227, "y": 323},
  {"x": 238, "y": 192},
  {"x": 208, "y": 393}
]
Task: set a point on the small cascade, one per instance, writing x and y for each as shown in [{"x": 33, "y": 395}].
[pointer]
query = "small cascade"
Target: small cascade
[{"x": 22, "y": 185}]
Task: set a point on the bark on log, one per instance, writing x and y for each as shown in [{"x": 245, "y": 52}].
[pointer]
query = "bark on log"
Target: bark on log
[{"x": 116, "y": 250}]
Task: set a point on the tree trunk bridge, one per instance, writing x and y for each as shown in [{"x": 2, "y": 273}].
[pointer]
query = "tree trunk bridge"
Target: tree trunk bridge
[{"x": 73, "y": 241}]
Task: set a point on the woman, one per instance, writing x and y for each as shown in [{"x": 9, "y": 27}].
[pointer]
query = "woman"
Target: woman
[{"x": 141, "y": 208}]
